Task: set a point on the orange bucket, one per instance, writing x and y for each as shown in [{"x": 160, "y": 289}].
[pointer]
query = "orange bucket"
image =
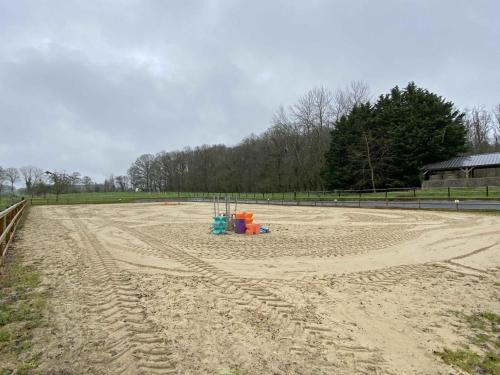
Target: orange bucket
[
  {"x": 239, "y": 215},
  {"x": 256, "y": 228},
  {"x": 252, "y": 229}
]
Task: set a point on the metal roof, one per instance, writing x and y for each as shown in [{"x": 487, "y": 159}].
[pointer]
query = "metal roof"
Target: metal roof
[{"x": 481, "y": 160}]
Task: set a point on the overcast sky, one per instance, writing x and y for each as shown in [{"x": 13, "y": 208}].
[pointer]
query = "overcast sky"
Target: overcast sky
[{"x": 90, "y": 85}]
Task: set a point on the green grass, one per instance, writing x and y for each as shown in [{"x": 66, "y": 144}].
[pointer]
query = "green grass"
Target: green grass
[
  {"x": 22, "y": 304},
  {"x": 96, "y": 198},
  {"x": 484, "y": 339},
  {"x": 233, "y": 370},
  {"x": 7, "y": 200},
  {"x": 126, "y": 197},
  {"x": 472, "y": 362},
  {"x": 483, "y": 320},
  {"x": 462, "y": 358}
]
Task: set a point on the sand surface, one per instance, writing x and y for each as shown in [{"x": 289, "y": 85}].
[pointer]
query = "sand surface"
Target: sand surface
[{"x": 145, "y": 288}]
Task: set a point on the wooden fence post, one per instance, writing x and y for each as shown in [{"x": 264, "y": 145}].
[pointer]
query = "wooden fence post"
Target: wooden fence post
[{"x": 3, "y": 225}]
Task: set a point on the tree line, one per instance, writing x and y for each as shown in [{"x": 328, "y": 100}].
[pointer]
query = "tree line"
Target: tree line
[
  {"x": 339, "y": 139},
  {"x": 289, "y": 156},
  {"x": 38, "y": 182},
  {"x": 330, "y": 140}
]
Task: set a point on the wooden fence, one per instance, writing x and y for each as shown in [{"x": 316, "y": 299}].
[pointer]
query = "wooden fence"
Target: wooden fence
[{"x": 9, "y": 219}]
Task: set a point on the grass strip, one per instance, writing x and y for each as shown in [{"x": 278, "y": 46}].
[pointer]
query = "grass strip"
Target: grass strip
[{"x": 22, "y": 303}]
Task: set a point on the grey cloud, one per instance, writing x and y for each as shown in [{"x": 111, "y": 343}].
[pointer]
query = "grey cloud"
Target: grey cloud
[{"x": 90, "y": 85}]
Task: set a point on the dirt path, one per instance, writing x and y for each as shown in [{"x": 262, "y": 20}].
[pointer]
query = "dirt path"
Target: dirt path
[{"x": 147, "y": 289}]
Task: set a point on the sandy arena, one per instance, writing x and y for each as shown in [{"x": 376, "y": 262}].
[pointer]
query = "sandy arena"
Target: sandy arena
[{"x": 145, "y": 288}]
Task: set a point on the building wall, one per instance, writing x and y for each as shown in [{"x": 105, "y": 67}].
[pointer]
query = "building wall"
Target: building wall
[
  {"x": 457, "y": 178},
  {"x": 487, "y": 172},
  {"x": 462, "y": 182},
  {"x": 447, "y": 175}
]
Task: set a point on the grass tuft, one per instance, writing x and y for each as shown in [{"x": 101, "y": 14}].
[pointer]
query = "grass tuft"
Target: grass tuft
[
  {"x": 462, "y": 358},
  {"x": 4, "y": 336},
  {"x": 485, "y": 358},
  {"x": 233, "y": 370}
]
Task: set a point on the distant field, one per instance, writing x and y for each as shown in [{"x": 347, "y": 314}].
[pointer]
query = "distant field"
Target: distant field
[
  {"x": 124, "y": 197},
  {"x": 6, "y": 201}
]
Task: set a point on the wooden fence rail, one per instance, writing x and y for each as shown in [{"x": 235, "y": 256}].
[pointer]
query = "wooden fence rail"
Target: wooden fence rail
[{"x": 9, "y": 218}]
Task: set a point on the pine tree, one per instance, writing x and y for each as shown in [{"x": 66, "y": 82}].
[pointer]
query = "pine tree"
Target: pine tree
[
  {"x": 422, "y": 128},
  {"x": 385, "y": 145}
]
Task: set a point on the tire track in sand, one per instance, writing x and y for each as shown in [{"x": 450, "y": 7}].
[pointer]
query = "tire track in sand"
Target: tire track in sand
[
  {"x": 128, "y": 339},
  {"x": 390, "y": 276},
  {"x": 315, "y": 344}
]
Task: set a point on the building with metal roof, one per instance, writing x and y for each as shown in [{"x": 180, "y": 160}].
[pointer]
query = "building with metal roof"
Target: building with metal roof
[{"x": 461, "y": 171}]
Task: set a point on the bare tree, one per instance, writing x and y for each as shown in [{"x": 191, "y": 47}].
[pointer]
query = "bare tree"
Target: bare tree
[
  {"x": 38, "y": 175},
  {"x": 75, "y": 180},
  {"x": 12, "y": 175},
  {"x": 88, "y": 184},
  {"x": 40, "y": 185},
  {"x": 369, "y": 159},
  {"x": 61, "y": 182},
  {"x": 479, "y": 124},
  {"x": 141, "y": 172},
  {"x": 122, "y": 182},
  {"x": 310, "y": 121},
  {"x": 313, "y": 110},
  {"x": 2, "y": 180},
  {"x": 496, "y": 126},
  {"x": 302, "y": 113},
  {"x": 109, "y": 184},
  {"x": 357, "y": 92},
  {"x": 31, "y": 175}
]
